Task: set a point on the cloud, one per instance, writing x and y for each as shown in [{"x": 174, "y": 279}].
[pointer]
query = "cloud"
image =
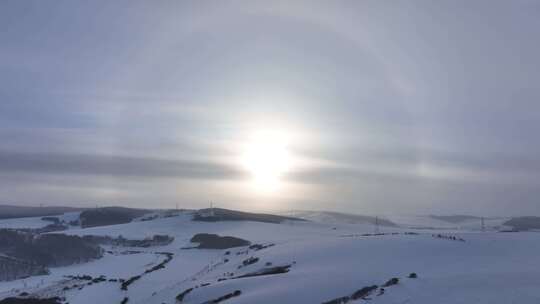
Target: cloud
[
  {"x": 442, "y": 96},
  {"x": 405, "y": 165},
  {"x": 116, "y": 166}
]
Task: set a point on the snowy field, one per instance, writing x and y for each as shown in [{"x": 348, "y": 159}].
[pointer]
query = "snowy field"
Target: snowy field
[
  {"x": 324, "y": 262},
  {"x": 36, "y": 222}
]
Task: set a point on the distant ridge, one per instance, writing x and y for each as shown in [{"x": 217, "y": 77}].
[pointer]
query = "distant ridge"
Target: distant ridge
[
  {"x": 524, "y": 222},
  {"x": 454, "y": 219},
  {"x": 10, "y": 211},
  {"x": 218, "y": 214},
  {"x": 109, "y": 216},
  {"x": 344, "y": 218}
]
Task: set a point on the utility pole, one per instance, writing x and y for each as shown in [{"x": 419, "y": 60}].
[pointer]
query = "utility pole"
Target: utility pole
[{"x": 483, "y": 224}]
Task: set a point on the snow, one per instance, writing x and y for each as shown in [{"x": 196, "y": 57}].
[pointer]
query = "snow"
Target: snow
[
  {"x": 103, "y": 293},
  {"x": 19, "y": 223},
  {"x": 327, "y": 261},
  {"x": 427, "y": 222},
  {"x": 36, "y": 222},
  {"x": 112, "y": 266}
]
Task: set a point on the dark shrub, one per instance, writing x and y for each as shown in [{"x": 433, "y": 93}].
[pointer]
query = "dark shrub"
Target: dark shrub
[
  {"x": 392, "y": 281},
  {"x": 341, "y": 300},
  {"x": 226, "y": 297},
  {"x": 61, "y": 250},
  {"x": 258, "y": 247},
  {"x": 109, "y": 216},
  {"x": 214, "y": 241},
  {"x": 31, "y": 253},
  {"x": 52, "y": 219},
  {"x": 364, "y": 292},
  {"x": 266, "y": 271},
  {"x": 129, "y": 282},
  {"x": 249, "y": 261},
  {"x": 180, "y": 297},
  {"x": 54, "y": 300}
]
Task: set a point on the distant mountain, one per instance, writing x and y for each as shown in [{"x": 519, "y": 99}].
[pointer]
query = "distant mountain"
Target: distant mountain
[
  {"x": 454, "y": 219},
  {"x": 218, "y": 214},
  {"x": 10, "y": 211},
  {"x": 342, "y": 218},
  {"x": 524, "y": 222}
]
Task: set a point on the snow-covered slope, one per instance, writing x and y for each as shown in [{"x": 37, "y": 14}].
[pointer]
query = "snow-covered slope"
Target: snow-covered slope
[
  {"x": 431, "y": 222},
  {"x": 321, "y": 262},
  {"x": 36, "y": 222},
  {"x": 330, "y": 217}
]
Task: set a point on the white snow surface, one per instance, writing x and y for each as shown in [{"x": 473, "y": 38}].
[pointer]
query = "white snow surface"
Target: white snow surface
[
  {"x": 327, "y": 262},
  {"x": 36, "y": 222}
]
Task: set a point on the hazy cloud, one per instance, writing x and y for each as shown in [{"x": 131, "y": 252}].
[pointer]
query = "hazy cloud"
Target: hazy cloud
[
  {"x": 117, "y": 166},
  {"x": 418, "y": 104}
]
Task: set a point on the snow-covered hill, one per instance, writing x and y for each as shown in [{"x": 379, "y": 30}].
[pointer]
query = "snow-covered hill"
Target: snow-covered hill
[
  {"x": 37, "y": 222},
  {"x": 312, "y": 263},
  {"x": 431, "y": 222},
  {"x": 330, "y": 217}
]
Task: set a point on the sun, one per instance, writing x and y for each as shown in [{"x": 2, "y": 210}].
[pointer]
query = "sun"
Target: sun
[{"x": 267, "y": 159}]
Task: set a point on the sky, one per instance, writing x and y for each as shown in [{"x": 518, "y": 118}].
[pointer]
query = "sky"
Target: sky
[{"x": 373, "y": 107}]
